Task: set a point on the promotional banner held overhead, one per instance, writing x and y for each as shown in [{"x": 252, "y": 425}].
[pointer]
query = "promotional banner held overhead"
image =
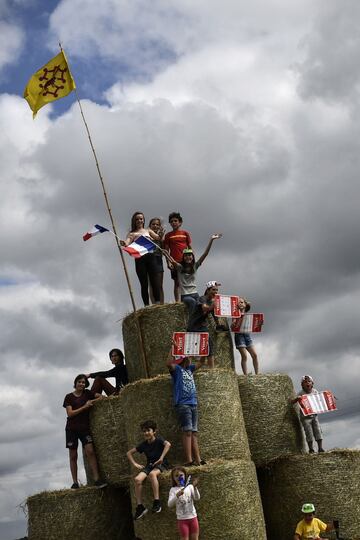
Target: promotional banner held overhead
[{"x": 190, "y": 344}]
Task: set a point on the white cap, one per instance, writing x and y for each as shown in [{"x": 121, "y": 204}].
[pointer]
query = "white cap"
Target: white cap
[
  {"x": 213, "y": 284},
  {"x": 307, "y": 378}
]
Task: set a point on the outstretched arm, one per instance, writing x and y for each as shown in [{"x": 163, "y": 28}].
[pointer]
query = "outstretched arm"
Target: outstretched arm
[{"x": 208, "y": 247}]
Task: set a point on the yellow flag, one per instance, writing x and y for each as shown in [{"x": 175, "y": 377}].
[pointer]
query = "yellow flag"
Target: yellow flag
[{"x": 51, "y": 82}]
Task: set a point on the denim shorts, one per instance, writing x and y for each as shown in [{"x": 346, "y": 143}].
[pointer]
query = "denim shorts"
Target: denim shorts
[
  {"x": 188, "y": 417},
  {"x": 243, "y": 340}
]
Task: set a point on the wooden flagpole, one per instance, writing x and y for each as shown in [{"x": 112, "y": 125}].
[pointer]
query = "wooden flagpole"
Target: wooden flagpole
[{"x": 142, "y": 348}]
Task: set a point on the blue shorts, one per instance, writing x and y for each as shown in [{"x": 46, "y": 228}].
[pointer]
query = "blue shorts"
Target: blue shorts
[
  {"x": 243, "y": 340},
  {"x": 188, "y": 417}
]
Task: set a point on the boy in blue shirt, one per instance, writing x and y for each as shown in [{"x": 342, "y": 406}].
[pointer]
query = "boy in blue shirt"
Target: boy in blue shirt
[{"x": 185, "y": 401}]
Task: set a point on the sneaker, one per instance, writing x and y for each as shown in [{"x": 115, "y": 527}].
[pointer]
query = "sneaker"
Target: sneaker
[
  {"x": 311, "y": 451},
  {"x": 100, "y": 484},
  {"x": 140, "y": 511},
  {"x": 75, "y": 485},
  {"x": 321, "y": 450},
  {"x": 156, "y": 507}
]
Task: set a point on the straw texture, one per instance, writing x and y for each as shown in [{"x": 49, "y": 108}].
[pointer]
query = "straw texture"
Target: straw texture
[
  {"x": 272, "y": 424},
  {"x": 221, "y": 426},
  {"x": 85, "y": 513},
  {"x": 107, "y": 424},
  {"x": 158, "y": 323},
  {"x": 331, "y": 481}
]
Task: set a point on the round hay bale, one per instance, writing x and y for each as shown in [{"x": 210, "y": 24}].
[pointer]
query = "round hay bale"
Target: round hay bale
[
  {"x": 229, "y": 507},
  {"x": 83, "y": 513},
  {"x": 158, "y": 323},
  {"x": 331, "y": 481},
  {"x": 272, "y": 424},
  {"x": 107, "y": 424},
  {"x": 222, "y": 431}
]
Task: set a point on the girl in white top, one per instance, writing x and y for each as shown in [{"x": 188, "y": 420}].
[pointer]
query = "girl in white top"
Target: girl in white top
[{"x": 183, "y": 496}]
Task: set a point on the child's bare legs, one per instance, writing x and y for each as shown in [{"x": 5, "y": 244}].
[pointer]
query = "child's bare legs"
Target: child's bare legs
[
  {"x": 155, "y": 482},
  {"x": 211, "y": 361},
  {"x": 243, "y": 354},
  {"x": 187, "y": 445},
  {"x": 195, "y": 447},
  {"x": 139, "y": 479},
  {"x": 176, "y": 290},
  {"x": 254, "y": 357},
  {"x": 91, "y": 457},
  {"x": 194, "y": 536},
  {"x": 73, "y": 456},
  {"x": 320, "y": 446}
]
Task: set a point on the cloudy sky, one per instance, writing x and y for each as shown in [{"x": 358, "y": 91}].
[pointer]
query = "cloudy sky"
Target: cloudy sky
[{"x": 242, "y": 115}]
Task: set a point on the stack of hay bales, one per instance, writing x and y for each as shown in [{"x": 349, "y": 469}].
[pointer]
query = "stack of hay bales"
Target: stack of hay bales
[
  {"x": 243, "y": 422},
  {"x": 230, "y": 507},
  {"x": 83, "y": 513},
  {"x": 272, "y": 425},
  {"x": 331, "y": 481},
  {"x": 158, "y": 323}
]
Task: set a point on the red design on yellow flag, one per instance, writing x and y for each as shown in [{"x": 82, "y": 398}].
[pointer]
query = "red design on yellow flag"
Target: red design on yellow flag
[{"x": 51, "y": 82}]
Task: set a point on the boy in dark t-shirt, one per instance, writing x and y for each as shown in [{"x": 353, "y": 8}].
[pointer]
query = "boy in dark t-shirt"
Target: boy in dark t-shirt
[
  {"x": 77, "y": 405},
  {"x": 155, "y": 449}
]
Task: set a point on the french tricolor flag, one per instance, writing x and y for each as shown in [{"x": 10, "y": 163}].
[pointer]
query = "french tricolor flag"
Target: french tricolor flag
[
  {"x": 141, "y": 246},
  {"x": 97, "y": 229}
]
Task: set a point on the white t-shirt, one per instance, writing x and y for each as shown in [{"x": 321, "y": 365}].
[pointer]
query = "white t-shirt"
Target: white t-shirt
[{"x": 185, "y": 508}]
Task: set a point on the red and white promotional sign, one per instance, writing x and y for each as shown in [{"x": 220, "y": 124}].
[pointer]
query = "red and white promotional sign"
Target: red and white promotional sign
[
  {"x": 226, "y": 306},
  {"x": 249, "y": 322},
  {"x": 317, "y": 403},
  {"x": 190, "y": 344}
]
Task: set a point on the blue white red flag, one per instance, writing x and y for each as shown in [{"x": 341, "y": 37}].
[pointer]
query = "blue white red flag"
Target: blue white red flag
[
  {"x": 97, "y": 229},
  {"x": 141, "y": 246}
]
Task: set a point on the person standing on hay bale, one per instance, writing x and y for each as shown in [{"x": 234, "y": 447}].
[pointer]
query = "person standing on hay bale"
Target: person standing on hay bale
[
  {"x": 244, "y": 342},
  {"x": 144, "y": 266},
  {"x": 155, "y": 449},
  {"x": 310, "y": 423},
  {"x": 119, "y": 371},
  {"x": 185, "y": 401},
  {"x": 186, "y": 273},
  {"x": 310, "y": 527},
  {"x": 198, "y": 317},
  {"x": 78, "y": 404},
  {"x": 155, "y": 224},
  {"x": 175, "y": 242},
  {"x": 182, "y": 495}
]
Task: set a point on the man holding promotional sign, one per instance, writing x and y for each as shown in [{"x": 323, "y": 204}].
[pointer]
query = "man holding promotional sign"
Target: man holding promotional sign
[{"x": 198, "y": 318}]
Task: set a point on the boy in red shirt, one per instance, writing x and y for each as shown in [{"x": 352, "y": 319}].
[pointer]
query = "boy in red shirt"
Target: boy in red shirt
[{"x": 175, "y": 242}]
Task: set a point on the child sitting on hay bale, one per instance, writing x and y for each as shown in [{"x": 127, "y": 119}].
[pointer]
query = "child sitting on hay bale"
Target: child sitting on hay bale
[
  {"x": 310, "y": 423},
  {"x": 243, "y": 341},
  {"x": 310, "y": 527},
  {"x": 119, "y": 371},
  {"x": 77, "y": 405},
  {"x": 185, "y": 401},
  {"x": 155, "y": 449},
  {"x": 182, "y": 495}
]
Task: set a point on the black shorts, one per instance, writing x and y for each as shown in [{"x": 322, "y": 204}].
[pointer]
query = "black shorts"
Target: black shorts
[
  {"x": 148, "y": 468},
  {"x": 72, "y": 438},
  {"x": 174, "y": 274}
]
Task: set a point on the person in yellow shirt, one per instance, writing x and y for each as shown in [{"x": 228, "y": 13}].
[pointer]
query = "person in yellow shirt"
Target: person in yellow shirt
[{"x": 310, "y": 527}]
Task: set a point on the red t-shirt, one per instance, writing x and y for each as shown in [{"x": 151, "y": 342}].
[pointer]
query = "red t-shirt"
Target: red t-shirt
[{"x": 176, "y": 242}]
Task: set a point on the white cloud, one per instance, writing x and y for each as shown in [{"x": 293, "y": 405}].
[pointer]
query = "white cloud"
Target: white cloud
[{"x": 11, "y": 42}]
